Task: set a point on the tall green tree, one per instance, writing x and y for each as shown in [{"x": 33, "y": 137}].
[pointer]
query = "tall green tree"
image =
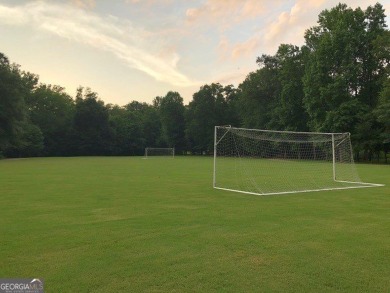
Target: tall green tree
[
  {"x": 28, "y": 142},
  {"x": 124, "y": 131},
  {"x": 259, "y": 96},
  {"x": 171, "y": 111},
  {"x": 291, "y": 114},
  {"x": 117, "y": 121},
  {"x": 19, "y": 136},
  {"x": 148, "y": 123},
  {"x": 382, "y": 114},
  {"x": 52, "y": 110},
  {"x": 12, "y": 106},
  {"x": 285, "y": 109},
  {"x": 91, "y": 130},
  {"x": 342, "y": 75},
  {"x": 212, "y": 105}
]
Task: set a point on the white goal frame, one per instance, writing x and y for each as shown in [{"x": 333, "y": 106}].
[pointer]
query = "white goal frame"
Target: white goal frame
[
  {"x": 159, "y": 152},
  {"x": 235, "y": 149}
]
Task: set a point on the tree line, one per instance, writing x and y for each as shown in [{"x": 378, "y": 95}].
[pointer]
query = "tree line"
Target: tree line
[{"x": 338, "y": 81}]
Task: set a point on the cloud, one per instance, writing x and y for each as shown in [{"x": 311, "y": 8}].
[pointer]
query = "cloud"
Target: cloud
[
  {"x": 11, "y": 16},
  {"x": 291, "y": 25},
  {"x": 228, "y": 51},
  {"x": 149, "y": 3},
  {"x": 227, "y": 12},
  {"x": 246, "y": 48},
  {"x": 110, "y": 34},
  {"x": 288, "y": 26},
  {"x": 88, "y": 4},
  {"x": 233, "y": 77},
  {"x": 285, "y": 25},
  {"x": 240, "y": 24}
]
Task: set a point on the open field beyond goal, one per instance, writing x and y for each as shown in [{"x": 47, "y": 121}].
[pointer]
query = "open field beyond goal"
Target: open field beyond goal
[{"x": 124, "y": 224}]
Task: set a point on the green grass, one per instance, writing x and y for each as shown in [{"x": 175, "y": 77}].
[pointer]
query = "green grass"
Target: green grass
[
  {"x": 132, "y": 225},
  {"x": 272, "y": 176}
]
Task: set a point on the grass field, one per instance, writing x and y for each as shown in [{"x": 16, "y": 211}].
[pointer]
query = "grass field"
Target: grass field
[
  {"x": 124, "y": 224},
  {"x": 275, "y": 176}
]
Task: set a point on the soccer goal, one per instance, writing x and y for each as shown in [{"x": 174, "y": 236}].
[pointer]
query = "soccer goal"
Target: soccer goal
[
  {"x": 159, "y": 152},
  {"x": 276, "y": 162}
]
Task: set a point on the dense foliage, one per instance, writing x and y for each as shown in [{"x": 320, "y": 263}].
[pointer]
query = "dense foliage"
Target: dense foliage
[{"x": 338, "y": 81}]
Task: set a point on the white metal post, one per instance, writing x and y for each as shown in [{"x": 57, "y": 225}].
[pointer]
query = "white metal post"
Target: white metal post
[
  {"x": 334, "y": 157},
  {"x": 215, "y": 153}
]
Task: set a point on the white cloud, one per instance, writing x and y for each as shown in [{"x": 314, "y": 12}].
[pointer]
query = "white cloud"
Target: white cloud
[
  {"x": 84, "y": 3},
  {"x": 227, "y": 12},
  {"x": 233, "y": 20},
  {"x": 288, "y": 26},
  {"x": 232, "y": 77},
  {"x": 110, "y": 34},
  {"x": 246, "y": 48},
  {"x": 291, "y": 25},
  {"x": 11, "y": 16}
]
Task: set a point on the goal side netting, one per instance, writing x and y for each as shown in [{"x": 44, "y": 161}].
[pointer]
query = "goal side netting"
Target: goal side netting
[
  {"x": 277, "y": 162},
  {"x": 159, "y": 152}
]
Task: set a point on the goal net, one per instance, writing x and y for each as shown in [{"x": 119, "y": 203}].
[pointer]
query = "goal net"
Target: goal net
[
  {"x": 160, "y": 152},
  {"x": 277, "y": 162}
]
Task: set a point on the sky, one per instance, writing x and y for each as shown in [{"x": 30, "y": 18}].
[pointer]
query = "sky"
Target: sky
[{"x": 128, "y": 50}]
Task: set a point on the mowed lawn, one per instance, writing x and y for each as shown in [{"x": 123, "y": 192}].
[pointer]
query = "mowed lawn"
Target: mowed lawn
[{"x": 125, "y": 224}]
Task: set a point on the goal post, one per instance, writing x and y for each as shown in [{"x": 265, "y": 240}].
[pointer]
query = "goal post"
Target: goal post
[
  {"x": 159, "y": 152},
  {"x": 277, "y": 162}
]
